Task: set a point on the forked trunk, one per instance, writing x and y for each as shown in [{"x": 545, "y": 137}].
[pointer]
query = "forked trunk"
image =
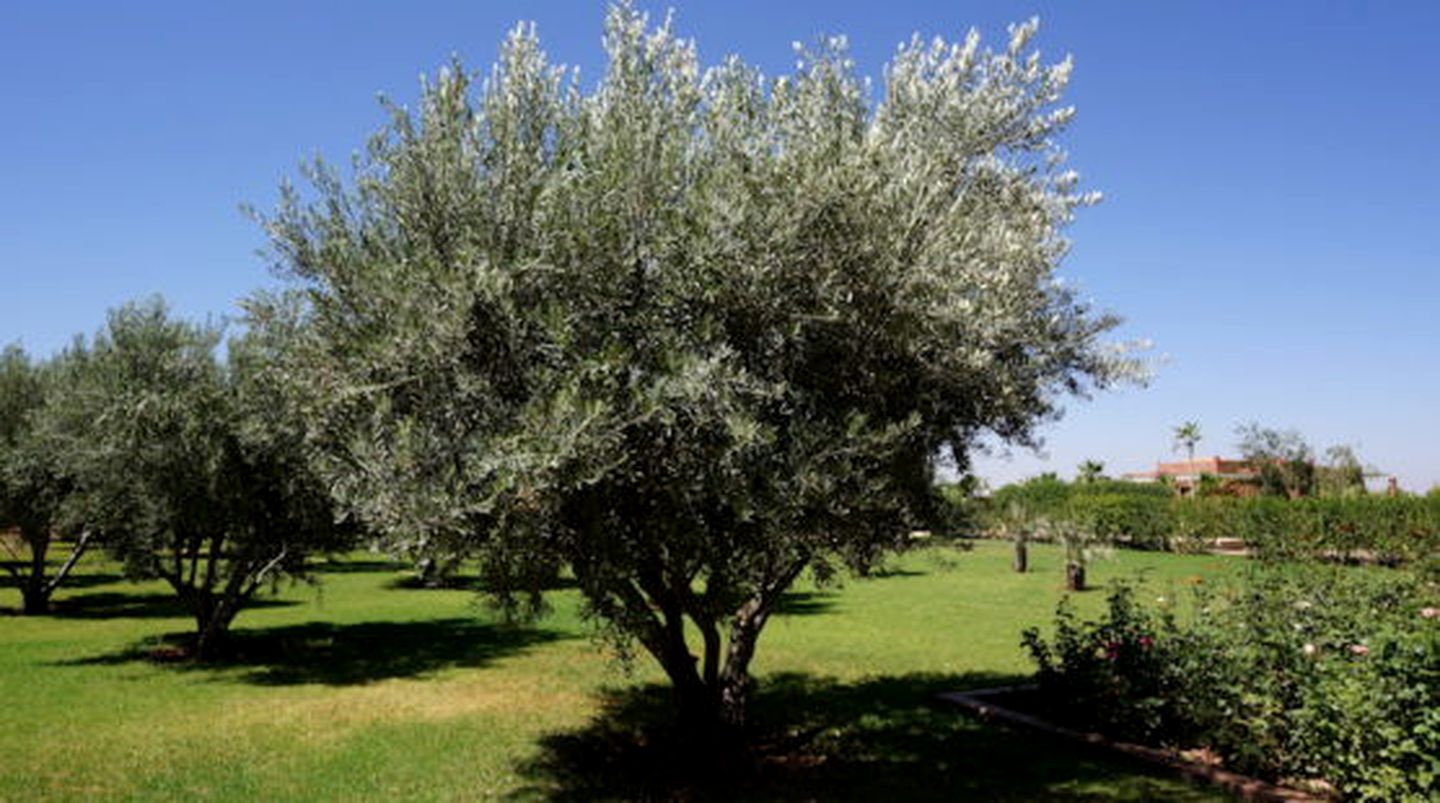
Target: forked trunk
[{"x": 712, "y": 704}]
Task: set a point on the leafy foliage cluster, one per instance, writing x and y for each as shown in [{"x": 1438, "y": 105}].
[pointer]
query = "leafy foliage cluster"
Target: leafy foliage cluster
[
  {"x": 1302, "y": 672},
  {"x": 1288, "y": 465},
  {"x": 34, "y": 483}
]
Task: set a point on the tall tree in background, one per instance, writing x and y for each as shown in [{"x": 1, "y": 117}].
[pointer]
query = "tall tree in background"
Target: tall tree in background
[
  {"x": 1187, "y": 436},
  {"x": 191, "y": 469},
  {"x": 1342, "y": 473},
  {"x": 34, "y": 485},
  {"x": 1283, "y": 457},
  {"x": 690, "y": 334}
]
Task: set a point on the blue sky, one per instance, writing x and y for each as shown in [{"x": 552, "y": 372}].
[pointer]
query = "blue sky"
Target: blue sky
[{"x": 1270, "y": 170}]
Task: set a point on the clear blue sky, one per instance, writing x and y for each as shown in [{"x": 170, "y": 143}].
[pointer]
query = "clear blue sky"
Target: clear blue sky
[{"x": 1270, "y": 169}]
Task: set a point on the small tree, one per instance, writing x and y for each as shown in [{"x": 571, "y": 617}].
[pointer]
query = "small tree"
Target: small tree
[
  {"x": 1090, "y": 472},
  {"x": 691, "y": 334},
  {"x": 192, "y": 469},
  {"x": 1013, "y": 520},
  {"x": 1084, "y": 538},
  {"x": 33, "y": 483},
  {"x": 1187, "y": 436}
]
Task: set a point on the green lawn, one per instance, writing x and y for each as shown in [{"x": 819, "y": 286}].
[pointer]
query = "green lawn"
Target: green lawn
[{"x": 361, "y": 688}]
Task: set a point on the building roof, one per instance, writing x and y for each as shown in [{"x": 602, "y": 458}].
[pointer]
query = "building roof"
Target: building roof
[{"x": 1192, "y": 470}]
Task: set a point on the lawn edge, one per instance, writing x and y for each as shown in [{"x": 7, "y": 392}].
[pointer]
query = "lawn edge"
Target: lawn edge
[{"x": 978, "y": 702}]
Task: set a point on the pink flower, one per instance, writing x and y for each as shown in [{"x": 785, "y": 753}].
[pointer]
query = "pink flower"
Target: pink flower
[
  {"x": 1359, "y": 649},
  {"x": 1430, "y": 613},
  {"x": 1146, "y": 642}
]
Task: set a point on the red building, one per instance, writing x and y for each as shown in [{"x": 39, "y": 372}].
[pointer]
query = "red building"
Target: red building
[{"x": 1235, "y": 477}]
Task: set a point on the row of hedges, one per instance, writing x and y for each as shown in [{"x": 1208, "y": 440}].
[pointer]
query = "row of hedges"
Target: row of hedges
[{"x": 1401, "y": 529}]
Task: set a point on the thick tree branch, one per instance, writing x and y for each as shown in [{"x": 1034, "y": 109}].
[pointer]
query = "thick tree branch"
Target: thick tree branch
[{"x": 75, "y": 554}]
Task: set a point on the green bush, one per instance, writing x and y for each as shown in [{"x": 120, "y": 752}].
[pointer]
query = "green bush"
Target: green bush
[
  {"x": 1112, "y": 675},
  {"x": 1110, "y": 511},
  {"x": 1134, "y": 520},
  {"x": 1294, "y": 672}
]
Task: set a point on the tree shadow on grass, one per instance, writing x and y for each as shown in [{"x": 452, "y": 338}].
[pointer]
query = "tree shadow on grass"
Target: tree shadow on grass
[
  {"x": 342, "y": 566},
  {"x": 886, "y": 572},
  {"x": 73, "y": 580},
  {"x": 804, "y": 603},
  {"x": 413, "y": 582},
  {"x": 122, "y": 605},
  {"x": 349, "y": 654},
  {"x": 820, "y": 739}
]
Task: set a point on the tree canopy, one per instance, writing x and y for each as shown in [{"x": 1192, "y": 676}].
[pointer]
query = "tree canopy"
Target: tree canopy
[
  {"x": 35, "y": 485},
  {"x": 188, "y": 467},
  {"x": 688, "y": 334},
  {"x": 1284, "y": 458},
  {"x": 1187, "y": 436}
]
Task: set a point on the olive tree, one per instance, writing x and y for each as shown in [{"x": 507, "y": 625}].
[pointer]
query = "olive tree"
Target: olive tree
[
  {"x": 191, "y": 469},
  {"x": 690, "y": 333},
  {"x": 34, "y": 485}
]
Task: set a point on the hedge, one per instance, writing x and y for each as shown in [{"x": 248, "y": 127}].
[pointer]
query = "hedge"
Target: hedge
[{"x": 1383, "y": 529}]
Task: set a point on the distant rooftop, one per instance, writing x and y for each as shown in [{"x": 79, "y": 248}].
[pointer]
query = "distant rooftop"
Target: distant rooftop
[{"x": 1192, "y": 470}]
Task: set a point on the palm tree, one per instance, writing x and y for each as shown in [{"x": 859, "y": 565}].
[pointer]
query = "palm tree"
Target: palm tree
[
  {"x": 1187, "y": 435},
  {"x": 1090, "y": 471}
]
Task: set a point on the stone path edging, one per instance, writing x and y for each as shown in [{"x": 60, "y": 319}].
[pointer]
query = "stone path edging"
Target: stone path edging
[{"x": 1246, "y": 788}]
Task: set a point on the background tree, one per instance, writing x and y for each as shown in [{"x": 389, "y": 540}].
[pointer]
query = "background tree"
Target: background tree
[
  {"x": 1187, "y": 436},
  {"x": 192, "y": 470},
  {"x": 1284, "y": 459},
  {"x": 1090, "y": 471},
  {"x": 33, "y": 483},
  {"x": 1342, "y": 473},
  {"x": 690, "y": 334}
]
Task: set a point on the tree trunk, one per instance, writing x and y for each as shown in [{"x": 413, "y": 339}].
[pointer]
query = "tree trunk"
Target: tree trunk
[
  {"x": 36, "y": 598},
  {"x": 34, "y": 590},
  {"x": 712, "y": 707},
  {"x": 735, "y": 681},
  {"x": 213, "y": 615},
  {"x": 1074, "y": 575},
  {"x": 213, "y": 630},
  {"x": 698, "y": 704},
  {"x": 1022, "y": 555}
]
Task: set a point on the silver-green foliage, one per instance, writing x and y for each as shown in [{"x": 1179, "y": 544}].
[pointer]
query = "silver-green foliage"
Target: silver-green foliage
[
  {"x": 34, "y": 484},
  {"x": 189, "y": 468},
  {"x": 688, "y": 333}
]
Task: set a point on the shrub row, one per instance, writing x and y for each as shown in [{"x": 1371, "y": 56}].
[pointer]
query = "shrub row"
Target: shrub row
[
  {"x": 1310, "y": 672},
  {"x": 1384, "y": 529}
]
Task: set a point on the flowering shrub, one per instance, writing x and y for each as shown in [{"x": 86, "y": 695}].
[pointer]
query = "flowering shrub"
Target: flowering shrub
[
  {"x": 1294, "y": 672},
  {"x": 1112, "y": 673}
]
